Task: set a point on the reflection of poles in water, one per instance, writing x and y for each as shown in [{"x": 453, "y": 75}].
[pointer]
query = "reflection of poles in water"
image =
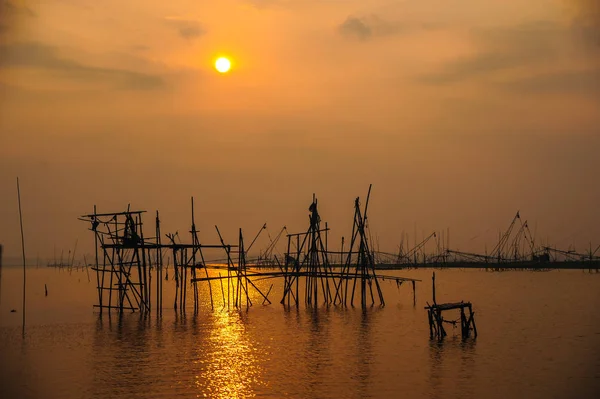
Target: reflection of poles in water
[
  {"x": 364, "y": 350},
  {"x": 439, "y": 351}
]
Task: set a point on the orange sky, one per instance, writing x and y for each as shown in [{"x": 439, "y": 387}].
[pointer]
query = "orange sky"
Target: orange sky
[{"x": 459, "y": 113}]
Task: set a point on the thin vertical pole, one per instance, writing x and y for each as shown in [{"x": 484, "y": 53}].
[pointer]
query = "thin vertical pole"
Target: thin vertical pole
[
  {"x": 158, "y": 264},
  {"x": 297, "y": 267},
  {"x": 23, "y": 250},
  {"x": 433, "y": 287},
  {"x": 145, "y": 266},
  {"x": 0, "y": 273}
]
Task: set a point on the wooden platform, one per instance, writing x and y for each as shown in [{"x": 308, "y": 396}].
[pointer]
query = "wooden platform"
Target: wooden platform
[{"x": 436, "y": 319}]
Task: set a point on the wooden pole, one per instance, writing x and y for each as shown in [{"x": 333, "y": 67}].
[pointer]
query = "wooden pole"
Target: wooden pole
[
  {"x": 23, "y": 251},
  {"x": 0, "y": 273},
  {"x": 158, "y": 264},
  {"x": 97, "y": 265},
  {"x": 433, "y": 283}
]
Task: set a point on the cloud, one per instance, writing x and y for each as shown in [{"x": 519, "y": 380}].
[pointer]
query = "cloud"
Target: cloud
[
  {"x": 473, "y": 66},
  {"x": 270, "y": 4},
  {"x": 356, "y": 27},
  {"x": 12, "y": 14},
  {"x": 38, "y": 55},
  {"x": 505, "y": 48},
  {"x": 364, "y": 28},
  {"x": 139, "y": 47},
  {"x": 544, "y": 54},
  {"x": 187, "y": 28},
  {"x": 583, "y": 83},
  {"x": 586, "y": 21},
  {"x": 10, "y": 8}
]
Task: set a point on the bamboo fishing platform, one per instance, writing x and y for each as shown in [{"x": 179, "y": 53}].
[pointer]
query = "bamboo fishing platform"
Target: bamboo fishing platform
[
  {"x": 125, "y": 259},
  {"x": 436, "y": 320}
]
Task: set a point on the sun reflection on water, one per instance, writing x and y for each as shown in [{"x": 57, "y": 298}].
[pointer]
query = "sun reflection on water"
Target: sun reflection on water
[{"x": 229, "y": 368}]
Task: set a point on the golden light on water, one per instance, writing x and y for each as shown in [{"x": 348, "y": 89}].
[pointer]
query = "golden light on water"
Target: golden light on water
[
  {"x": 222, "y": 65},
  {"x": 231, "y": 369}
]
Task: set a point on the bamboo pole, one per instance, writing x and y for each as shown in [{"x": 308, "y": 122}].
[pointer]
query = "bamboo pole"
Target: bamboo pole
[
  {"x": 23, "y": 251},
  {"x": 433, "y": 287},
  {"x": 0, "y": 273},
  {"x": 147, "y": 291},
  {"x": 158, "y": 264}
]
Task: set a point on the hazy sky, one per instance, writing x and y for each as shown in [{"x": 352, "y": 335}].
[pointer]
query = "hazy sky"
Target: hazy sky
[{"x": 459, "y": 112}]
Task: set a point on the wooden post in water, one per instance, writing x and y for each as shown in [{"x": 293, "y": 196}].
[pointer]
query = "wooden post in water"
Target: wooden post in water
[
  {"x": 0, "y": 273},
  {"x": 23, "y": 250},
  {"x": 158, "y": 265},
  {"x": 433, "y": 283}
]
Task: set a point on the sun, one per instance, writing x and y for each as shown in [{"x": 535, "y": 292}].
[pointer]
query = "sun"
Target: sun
[{"x": 222, "y": 65}]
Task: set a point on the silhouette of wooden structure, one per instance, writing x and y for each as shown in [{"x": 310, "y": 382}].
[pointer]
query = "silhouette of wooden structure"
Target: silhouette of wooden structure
[
  {"x": 360, "y": 263},
  {"x": 126, "y": 260},
  {"x": 310, "y": 262},
  {"x": 123, "y": 266},
  {"x": 436, "y": 319},
  {"x": 516, "y": 249}
]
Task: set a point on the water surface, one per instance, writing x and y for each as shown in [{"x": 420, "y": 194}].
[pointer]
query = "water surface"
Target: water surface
[{"x": 539, "y": 337}]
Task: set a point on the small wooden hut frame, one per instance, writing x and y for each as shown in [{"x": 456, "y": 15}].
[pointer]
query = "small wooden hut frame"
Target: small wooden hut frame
[{"x": 436, "y": 319}]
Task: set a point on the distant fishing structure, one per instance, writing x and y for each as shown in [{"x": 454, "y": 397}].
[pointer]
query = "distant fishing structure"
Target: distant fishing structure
[
  {"x": 516, "y": 249},
  {"x": 125, "y": 259}
]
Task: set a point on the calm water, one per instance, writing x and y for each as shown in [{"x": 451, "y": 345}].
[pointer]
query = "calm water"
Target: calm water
[{"x": 539, "y": 337}]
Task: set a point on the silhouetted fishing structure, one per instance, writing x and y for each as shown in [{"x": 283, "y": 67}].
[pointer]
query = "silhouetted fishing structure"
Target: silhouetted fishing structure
[
  {"x": 310, "y": 262},
  {"x": 360, "y": 264},
  {"x": 515, "y": 250},
  {"x": 308, "y": 266},
  {"x": 126, "y": 259},
  {"x": 436, "y": 320},
  {"x": 124, "y": 273}
]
